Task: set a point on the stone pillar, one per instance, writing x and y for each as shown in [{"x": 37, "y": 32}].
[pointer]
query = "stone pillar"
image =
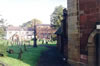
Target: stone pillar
[
  {"x": 91, "y": 54},
  {"x": 73, "y": 33}
]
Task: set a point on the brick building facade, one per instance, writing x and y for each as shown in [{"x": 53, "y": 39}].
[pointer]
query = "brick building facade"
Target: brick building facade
[
  {"x": 83, "y": 16},
  {"x": 82, "y": 48},
  {"x": 44, "y": 31}
]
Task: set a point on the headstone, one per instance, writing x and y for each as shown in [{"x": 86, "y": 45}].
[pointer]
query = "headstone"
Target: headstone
[
  {"x": 29, "y": 43},
  {"x": 12, "y": 43},
  {"x": 46, "y": 42},
  {"x": 10, "y": 51},
  {"x": 1, "y": 55},
  {"x": 20, "y": 54},
  {"x": 42, "y": 42},
  {"x": 25, "y": 47}
]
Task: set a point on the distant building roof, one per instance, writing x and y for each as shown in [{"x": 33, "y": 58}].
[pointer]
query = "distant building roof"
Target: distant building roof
[
  {"x": 43, "y": 25},
  {"x": 28, "y": 29},
  {"x": 14, "y": 28}
]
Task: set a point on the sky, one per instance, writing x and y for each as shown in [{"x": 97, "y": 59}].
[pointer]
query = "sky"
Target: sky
[{"x": 17, "y": 12}]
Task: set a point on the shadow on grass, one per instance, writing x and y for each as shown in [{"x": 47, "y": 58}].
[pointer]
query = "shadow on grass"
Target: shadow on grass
[{"x": 29, "y": 57}]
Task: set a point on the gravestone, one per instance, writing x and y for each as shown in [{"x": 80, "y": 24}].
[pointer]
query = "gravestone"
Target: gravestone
[
  {"x": 12, "y": 43},
  {"x": 1, "y": 55},
  {"x": 10, "y": 51},
  {"x": 25, "y": 47},
  {"x": 46, "y": 42},
  {"x": 42, "y": 42},
  {"x": 20, "y": 54}
]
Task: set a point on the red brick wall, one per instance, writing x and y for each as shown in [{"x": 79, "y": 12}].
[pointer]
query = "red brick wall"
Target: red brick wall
[
  {"x": 88, "y": 18},
  {"x": 98, "y": 2},
  {"x": 44, "y": 31}
]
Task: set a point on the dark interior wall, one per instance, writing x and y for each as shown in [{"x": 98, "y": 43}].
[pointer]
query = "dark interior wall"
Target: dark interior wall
[{"x": 97, "y": 42}]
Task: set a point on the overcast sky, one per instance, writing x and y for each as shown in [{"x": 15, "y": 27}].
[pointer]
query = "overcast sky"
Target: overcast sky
[{"x": 19, "y": 11}]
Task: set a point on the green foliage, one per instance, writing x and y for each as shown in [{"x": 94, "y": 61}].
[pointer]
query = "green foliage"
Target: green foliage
[
  {"x": 3, "y": 48},
  {"x": 2, "y": 21},
  {"x": 36, "y": 21},
  {"x": 2, "y": 32},
  {"x": 2, "y": 27},
  {"x": 56, "y": 17},
  {"x": 31, "y": 23},
  {"x": 54, "y": 37}
]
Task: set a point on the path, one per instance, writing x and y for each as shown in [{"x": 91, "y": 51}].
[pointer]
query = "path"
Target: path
[{"x": 51, "y": 57}]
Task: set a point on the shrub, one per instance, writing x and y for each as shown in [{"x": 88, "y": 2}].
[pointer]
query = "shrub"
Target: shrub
[
  {"x": 3, "y": 49},
  {"x": 53, "y": 37}
]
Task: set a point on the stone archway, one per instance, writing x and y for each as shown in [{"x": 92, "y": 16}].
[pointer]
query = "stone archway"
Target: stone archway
[{"x": 92, "y": 49}]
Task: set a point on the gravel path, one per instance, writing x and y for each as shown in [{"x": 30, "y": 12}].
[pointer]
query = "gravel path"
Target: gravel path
[{"x": 51, "y": 57}]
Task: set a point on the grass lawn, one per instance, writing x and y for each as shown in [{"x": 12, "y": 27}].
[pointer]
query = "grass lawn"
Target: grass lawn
[
  {"x": 29, "y": 57},
  {"x": 52, "y": 43}
]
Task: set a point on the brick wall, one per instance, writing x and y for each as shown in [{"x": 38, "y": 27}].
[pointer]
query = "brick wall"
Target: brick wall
[
  {"x": 82, "y": 18},
  {"x": 88, "y": 19},
  {"x": 44, "y": 31}
]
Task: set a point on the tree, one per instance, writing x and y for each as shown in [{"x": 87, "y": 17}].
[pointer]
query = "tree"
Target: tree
[
  {"x": 56, "y": 17},
  {"x": 36, "y": 21},
  {"x": 31, "y": 23},
  {"x": 2, "y": 27},
  {"x": 53, "y": 37},
  {"x": 2, "y": 32},
  {"x": 1, "y": 21}
]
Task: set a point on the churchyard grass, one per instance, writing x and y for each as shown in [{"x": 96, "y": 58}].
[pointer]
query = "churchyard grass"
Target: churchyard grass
[{"x": 29, "y": 57}]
